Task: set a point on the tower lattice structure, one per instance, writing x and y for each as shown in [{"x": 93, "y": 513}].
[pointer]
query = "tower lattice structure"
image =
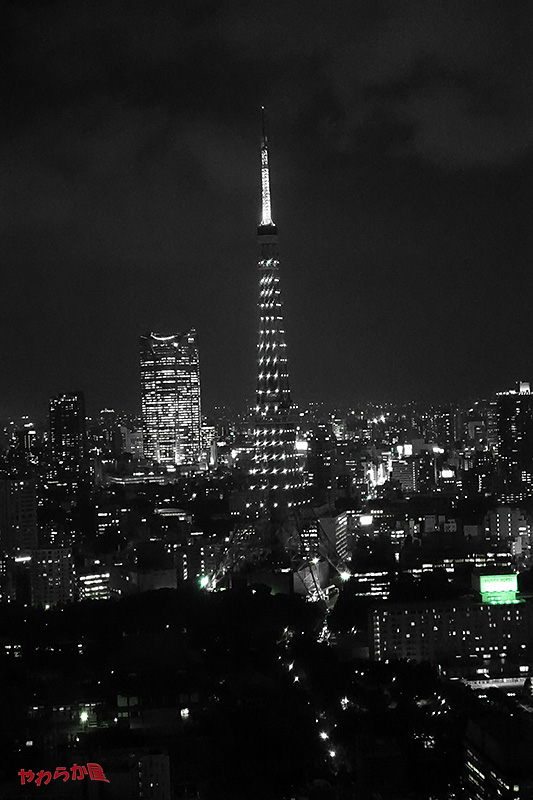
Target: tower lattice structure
[
  {"x": 275, "y": 477},
  {"x": 272, "y": 536}
]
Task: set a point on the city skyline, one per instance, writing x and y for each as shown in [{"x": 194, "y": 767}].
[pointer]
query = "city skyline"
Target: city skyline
[
  {"x": 323, "y": 591},
  {"x": 402, "y": 175}
]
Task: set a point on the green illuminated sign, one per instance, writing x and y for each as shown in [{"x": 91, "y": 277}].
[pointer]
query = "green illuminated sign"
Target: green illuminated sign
[
  {"x": 495, "y": 584},
  {"x": 498, "y": 589}
]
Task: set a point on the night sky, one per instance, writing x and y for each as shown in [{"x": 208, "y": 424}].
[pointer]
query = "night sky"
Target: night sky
[{"x": 401, "y": 149}]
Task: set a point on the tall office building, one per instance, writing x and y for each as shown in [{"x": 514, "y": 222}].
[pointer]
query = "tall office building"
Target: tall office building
[
  {"x": 275, "y": 472},
  {"x": 321, "y": 462},
  {"x": 52, "y": 576},
  {"x": 514, "y": 414},
  {"x": 18, "y": 514},
  {"x": 497, "y": 754},
  {"x": 170, "y": 398},
  {"x": 68, "y": 438}
]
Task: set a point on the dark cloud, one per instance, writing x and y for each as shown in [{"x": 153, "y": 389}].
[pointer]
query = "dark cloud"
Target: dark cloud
[
  {"x": 454, "y": 78},
  {"x": 458, "y": 74},
  {"x": 401, "y": 142}
]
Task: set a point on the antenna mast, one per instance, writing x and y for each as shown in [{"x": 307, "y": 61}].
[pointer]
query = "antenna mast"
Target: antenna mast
[{"x": 266, "y": 210}]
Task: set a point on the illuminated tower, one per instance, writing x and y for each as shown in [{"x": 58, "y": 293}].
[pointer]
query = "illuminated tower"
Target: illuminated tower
[
  {"x": 170, "y": 398},
  {"x": 274, "y": 473}
]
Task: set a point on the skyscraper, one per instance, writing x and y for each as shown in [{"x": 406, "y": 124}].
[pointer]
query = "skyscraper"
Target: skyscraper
[
  {"x": 274, "y": 472},
  {"x": 515, "y": 435},
  {"x": 68, "y": 437},
  {"x": 18, "y": 514},
  {"x": 170, "y": 398},
  {"x": 52, "y": 576}
]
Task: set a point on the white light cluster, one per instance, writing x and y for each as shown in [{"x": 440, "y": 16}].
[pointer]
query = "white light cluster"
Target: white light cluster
[{"x": 266, "y": 218}]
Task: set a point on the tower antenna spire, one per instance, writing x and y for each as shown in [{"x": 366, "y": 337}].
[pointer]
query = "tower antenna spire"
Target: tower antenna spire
[
  {"x": 266, "y": 209},
  {"x": 263, "y": 128}
]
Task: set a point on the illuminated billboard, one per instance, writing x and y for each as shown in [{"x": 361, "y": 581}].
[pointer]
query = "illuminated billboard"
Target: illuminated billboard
[
  {"x": 498, "y": 588},
  {"x": 495, "y": 584}
]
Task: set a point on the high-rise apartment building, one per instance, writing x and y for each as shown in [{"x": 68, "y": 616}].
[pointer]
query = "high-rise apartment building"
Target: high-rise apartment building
[
  {"x": 68, "y": 437},
  {"x": 515, "y": 435},
  {"x": 52, "y": 577},
  {"x": 321, "y": 464},
  {"x": 275, "y": 472},
  {"x": 18, "y": 514},
  {"x": 442, "y": 631},
  {"x": 170, "y": 398},
  {"x": 497, "y": 754}
]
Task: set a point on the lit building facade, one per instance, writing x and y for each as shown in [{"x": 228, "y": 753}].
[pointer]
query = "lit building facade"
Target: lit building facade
[
  {"x": 496, "y": 625},
  {"x": 337, "y": 534},
  {"x": 18, "y": 515},
  {"x": 68, "y": 437},
  {"x": 93, "y": 584},
  {"x": 170, "y": 398},
  {"x": 515, "y": 436},
  {"x": 321, "y": 462},
  {"x": 52, "y": 577},
  {"x": 274, "y": 473},
  {"x": 497, "y": 749},
  {"x": 404, "y": 472},
  {"x": 510, "y": 525},
  {"x": 131, "y": 441}
]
